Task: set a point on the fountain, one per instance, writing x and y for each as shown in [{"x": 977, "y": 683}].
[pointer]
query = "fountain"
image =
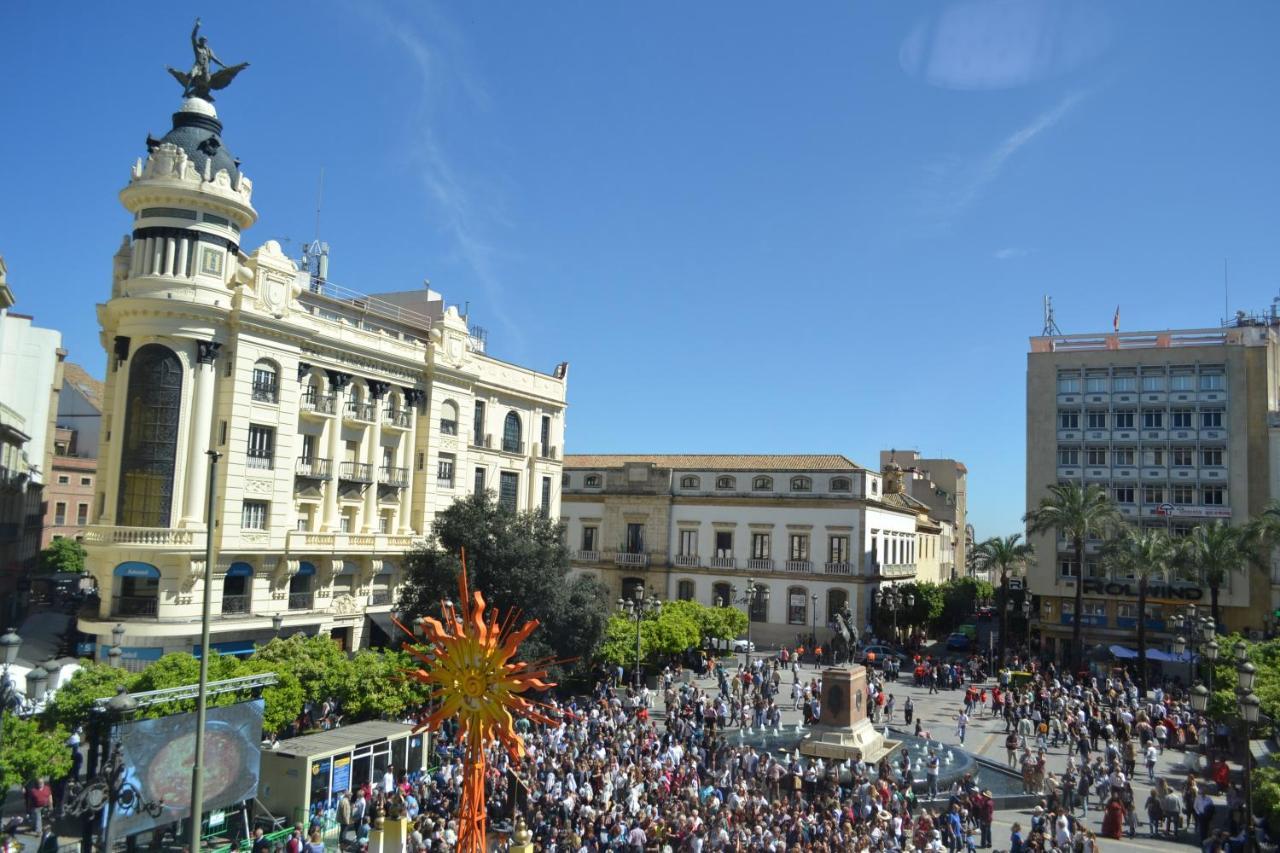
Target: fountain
[{"x": 844, "y": 731}]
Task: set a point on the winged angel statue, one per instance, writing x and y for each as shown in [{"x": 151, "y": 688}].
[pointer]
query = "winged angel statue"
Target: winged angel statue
[{"x": 198, "y": 82}]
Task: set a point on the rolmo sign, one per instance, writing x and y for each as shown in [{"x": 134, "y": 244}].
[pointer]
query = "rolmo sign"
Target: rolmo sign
[{"x": 1183, "y": 592}]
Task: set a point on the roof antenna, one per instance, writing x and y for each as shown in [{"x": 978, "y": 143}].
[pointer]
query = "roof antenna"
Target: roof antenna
[
  {"x": 315, "y": 255},
  {"x": 1226, "y": 294},
  {"x": 1050, "y": 325}
]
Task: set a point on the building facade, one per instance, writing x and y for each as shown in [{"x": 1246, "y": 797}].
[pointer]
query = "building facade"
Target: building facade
[
  {"x": 31, "y": 360},
  {"x": 73, "y": 471},
  {"x": 1178, "y": 427},
  {"x": 818, "y": 532},
  {"x": 341, "y": 422},
  {"x": 943, "y": 486}
]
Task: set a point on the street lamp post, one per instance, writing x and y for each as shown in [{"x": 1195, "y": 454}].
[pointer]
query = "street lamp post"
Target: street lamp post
[
  {"x": 813, "y": 627},
  {"x": 893, "y": 600},
  {"x": 1249, "y": 706},
  {"x": 1200, "y": 703},
  {"x": 115, "y": 654},
  {"x": 749, "y": 599},
  {"x": 635, "y": 608},
  {"x": 202, "y": 699},
  {"x": 10, "y": 701}
]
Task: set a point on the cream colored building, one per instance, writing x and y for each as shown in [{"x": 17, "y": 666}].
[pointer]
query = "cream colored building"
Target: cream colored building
[
  {"x": 943, "y": 486},
  {"x": 344, "y": 422},
  {"x": 1180, "y": 427},
  {"x": 818, "y": 531}
]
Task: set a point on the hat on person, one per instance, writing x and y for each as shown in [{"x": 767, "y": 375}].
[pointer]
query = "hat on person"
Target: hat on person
[{"x": 1038, "y": 810}]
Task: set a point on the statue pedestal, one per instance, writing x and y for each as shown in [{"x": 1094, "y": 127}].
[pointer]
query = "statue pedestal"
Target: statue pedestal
[
  {"x": 843, "y": 730},
  {"x": 390, "y": 838}
]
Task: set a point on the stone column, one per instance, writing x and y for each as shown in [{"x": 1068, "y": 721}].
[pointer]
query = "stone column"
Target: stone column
[
  {"x": 377, "y": 392},
  {"x": 337, "y": 381},
  {"x": 410, "y": 439},
  {"x": 183, "y": 255},
  {"x": 198, "y": 438}
]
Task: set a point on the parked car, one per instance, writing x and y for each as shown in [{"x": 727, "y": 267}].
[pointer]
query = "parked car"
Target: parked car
[
  {"x": 959, "y": 642},
  {"x": 882, "y": 653},
  {"x": 740, "y": 645}
]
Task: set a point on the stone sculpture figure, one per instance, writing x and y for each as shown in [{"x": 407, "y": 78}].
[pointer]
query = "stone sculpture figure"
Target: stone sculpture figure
[{"x": 199, "y": 81}]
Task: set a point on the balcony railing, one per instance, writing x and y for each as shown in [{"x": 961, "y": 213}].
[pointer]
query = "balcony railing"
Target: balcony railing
[
  {"x": 235, "y": 605},
  {"x": 545, "y": 452},
  {"x": 146, "y": 536},
  {"x": 301, "y": 600},
  {"x": 379, "y": 597},
  {"x": 315, "y": 469},
  {"x": 513, "y": 447},
  {"x": 314, "y": 401},
  {"x": 358, "y": 412},
  {"x": 448, "y": 427},
  {"x": 897, "y": 570},
  {"x": 687, "y": 561},
  {"x": 400, "y": 419},
  {"x": 587, "y": 556},
  {"x": 799, "y": 566},
  {"x": 356, "y": 472},
  {"x": 622, "y": 558},
  {"x": 444, "y": 482},
  {"x": 136, "y": 605},
  {"x": 838, "y": 568},
  {"x": 760, "y": 564},
  {"x": 724, "y": 563},
  {"x": 390, "y": 476},
  {"x": 481, "y": 440},
  {"x": 380, "y": 542},
  {"x": 265, "y": 392}
]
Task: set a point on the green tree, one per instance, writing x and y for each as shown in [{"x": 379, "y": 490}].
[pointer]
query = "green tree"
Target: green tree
[
  {"x": 70, "y": 704},
  {"x": 1141, "y": 554},
  {"x": 929, "y": 603},
  {"x": 31, "y": 750},
  {"x": 320, "y": 666},
  {"x": 960, "y": 598},
  {"x": 282, "y": 701},
  {"x": 669, "y": 631},
  {"x": 62, "y": 555},
  {"x": 1009, "y": 556},
  {"x": 519, "y": 562},
  {"x": 386, "y": 689},
  {"x": 1214, "y": 552},
  {"x": 1075, "y": 513}
]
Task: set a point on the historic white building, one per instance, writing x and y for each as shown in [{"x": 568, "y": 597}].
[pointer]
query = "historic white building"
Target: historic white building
[
  {"x": 344, "y": 422},
  {"x": 817, "y": 531}
]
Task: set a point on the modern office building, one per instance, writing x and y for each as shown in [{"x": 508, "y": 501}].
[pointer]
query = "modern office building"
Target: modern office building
[
  {"x": 1178, "y": 427},
  {"x": 817, "y": 532},
  {"x": 342, "y": 422}
]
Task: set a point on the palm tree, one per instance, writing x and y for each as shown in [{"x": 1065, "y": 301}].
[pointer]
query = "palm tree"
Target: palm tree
[
  {"x": 1007, "y": 555},
  {"x": 1212, "y": 553},
  {"x": 1142, "y": 554},
  {"x": 1077, "y": 513}
]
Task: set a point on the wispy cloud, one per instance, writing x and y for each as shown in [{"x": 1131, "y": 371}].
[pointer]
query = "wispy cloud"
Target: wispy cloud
[
  {"x": 955, "y": 184},
  {"x": 466, "y": 206},
  {"x": 1011, "y": 253}
]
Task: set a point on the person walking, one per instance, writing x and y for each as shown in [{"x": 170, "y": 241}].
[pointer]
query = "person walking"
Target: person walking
[
  {"x": 39, "y": 798},
  {"x": 908, "y": 710},
  {"x": 1152, "y": 754},
  {"x": 931, "y": 774},
  {"x": 344, "y": 815}
]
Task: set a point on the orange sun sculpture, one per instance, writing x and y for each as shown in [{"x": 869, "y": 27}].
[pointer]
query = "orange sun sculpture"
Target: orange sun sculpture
[{"x": 469, "y": 668}]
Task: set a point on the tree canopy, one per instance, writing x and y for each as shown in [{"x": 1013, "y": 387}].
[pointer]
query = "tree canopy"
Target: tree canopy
[
  {"x": 518, "y": 560},
  {"x": 62, "y": 555}
]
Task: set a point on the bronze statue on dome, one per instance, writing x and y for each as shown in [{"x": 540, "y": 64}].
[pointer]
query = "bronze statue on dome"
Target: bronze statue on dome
[{"x": 199, "y": 82}]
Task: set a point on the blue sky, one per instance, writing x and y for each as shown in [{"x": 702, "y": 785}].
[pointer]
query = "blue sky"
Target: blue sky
[{"x": 816, "y": 227}]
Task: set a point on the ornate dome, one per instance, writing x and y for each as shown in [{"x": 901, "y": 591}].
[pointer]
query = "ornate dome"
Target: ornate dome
[{"x": 197, "y": 131}]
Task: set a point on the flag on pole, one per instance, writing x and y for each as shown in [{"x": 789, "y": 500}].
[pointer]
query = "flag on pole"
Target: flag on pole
[{"x": 1115, "y": 321}]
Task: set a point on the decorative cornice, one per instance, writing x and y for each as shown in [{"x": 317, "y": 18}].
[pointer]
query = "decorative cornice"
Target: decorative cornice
[{"x": 338, "y": 380}]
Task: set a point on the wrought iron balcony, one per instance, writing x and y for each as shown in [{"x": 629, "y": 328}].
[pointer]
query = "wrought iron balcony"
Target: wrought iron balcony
[
  {"x": 301, "y": 600},
  {"x": 512, "y": 446},
  {"x": 265, "y": 392},
  {"x": 314, "y": 469},
  {"x": 358, "y": 412},
  {"x": 390, "y": 476},
  {"x": 233, "y": 605},
  {"x": 314, "y": 401},
  {"x": 356, "y": 472},
  {"x": 398, "y": 419},
  {"x": 136, "y": 605},
  {"x": 379, "y": 597}
]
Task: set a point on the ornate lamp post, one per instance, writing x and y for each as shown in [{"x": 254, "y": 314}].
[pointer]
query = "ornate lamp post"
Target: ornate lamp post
[
  {"x": 749, "y": 598},
  {"x": 893, "y": 600},
  {"x": 1200, "y": 704},
  {"x": 277, "y": 622},
  {"x": 115, "y": 654},
  {"x": 813, "y": 626},
  {"x": 1249, "y": 706},
  {"x": 10, "y": 701},
  {"x": 636, "y": 608}
]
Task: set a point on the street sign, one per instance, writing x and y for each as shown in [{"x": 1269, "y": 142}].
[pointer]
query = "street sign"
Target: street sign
[
  {"x": 1165, "y": 509},
  {"x": 1015, "y": 583}
]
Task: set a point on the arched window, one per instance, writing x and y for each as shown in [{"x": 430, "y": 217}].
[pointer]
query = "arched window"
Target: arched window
[
  {"x": 797, "y": 605},
  {"x": 841, "y": 484},
  {"x": 837, "y": 600},
  {"x": 150, "y": 438},
  {"x": 511, "y": 442},
  {"x": 801, "y": 484},
  {"x": 689, "y": 482},
  {"x": 591, "y": 481},
  {"x": 875, "y": 487},
  {"x": 631, "y": 587},
  {"x": 762, "y": 484},
  {"x": 266, "y": 382},
  {"x": 449, "y": 419},
  {"x": 684, "y": 590},
  {"x": 722, "y": 595},
  {"x": 725, "y": 483}
]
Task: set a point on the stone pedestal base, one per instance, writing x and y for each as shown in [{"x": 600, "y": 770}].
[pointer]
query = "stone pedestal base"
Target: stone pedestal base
[
  {"x": 391, "y": 837},
  {"x": 857, "y": 742}
]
